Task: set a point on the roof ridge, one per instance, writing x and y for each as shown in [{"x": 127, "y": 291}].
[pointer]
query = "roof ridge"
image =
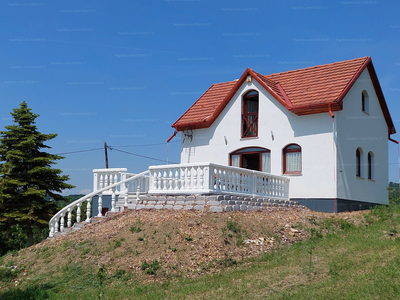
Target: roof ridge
[{"x": 318, "y": 66}]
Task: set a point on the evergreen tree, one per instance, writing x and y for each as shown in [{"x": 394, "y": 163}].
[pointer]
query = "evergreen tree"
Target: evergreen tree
[{"x": 26, "y": 175}]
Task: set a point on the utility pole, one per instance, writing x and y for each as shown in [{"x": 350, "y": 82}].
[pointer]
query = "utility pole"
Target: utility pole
[{"x": 105, "y": 151}]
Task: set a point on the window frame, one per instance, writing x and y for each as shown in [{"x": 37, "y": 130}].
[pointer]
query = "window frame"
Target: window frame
[
  {"x": 371, "y": 162},
  {"x": 245, "y": 115},
  {"x": 285, "y": 150},
  {"x": 359, "y": 158},
  {"x": 365, "y": 102},
  {"x": 249, "y": 150}
]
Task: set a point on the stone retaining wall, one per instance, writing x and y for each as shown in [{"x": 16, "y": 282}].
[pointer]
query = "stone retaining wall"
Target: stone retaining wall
[{"x": 217, "y": 203}]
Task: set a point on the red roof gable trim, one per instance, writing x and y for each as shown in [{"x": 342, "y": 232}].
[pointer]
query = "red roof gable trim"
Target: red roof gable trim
[{"x": 303, "y": 85}]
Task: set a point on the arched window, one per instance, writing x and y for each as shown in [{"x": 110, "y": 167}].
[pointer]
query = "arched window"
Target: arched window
[
  {"x": 254, "y": 158},
  {"x": 359, "y": 154},
  {"x": 292, "y": 159},
  {"x": 365, "y": 101},
  {"x": 371, "y": 163},
  {"x": 250, "y": 114}
]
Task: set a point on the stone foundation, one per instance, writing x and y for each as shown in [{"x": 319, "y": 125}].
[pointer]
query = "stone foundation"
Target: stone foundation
[{"x": 216, "y": 203}]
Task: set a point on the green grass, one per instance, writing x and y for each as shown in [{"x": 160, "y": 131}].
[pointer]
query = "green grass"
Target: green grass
[{"x": 348, "y": 262}]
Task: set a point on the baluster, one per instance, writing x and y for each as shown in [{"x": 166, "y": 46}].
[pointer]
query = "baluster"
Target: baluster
[
  {"x": 176, "y": 179},
  {"x": 126, "y": 184},
  {"x": 51, "y": 233},
  {"x": 194, "y": 176},
  {"x": 100, "y": 205},
  {"x": 69, "y": 218},
  {"x": 201, "y": 177},
  {"x": 101, "y": 180},
  {"x": 231, "y": 179},
  {"x": 113, "y": 200},
  {"x": 62, "y": 222},
  {"x": 78, "y": 212},
  {"x": 183, "y": 178},
  {"x": 116, "y": 178},
  {"x": 88, "y": 210},
  {"x": 171, "y": 180},
  {"x": 216, "y": 178},
  {"x": 138, "y": 192},
  {"x": 56, "y": 225},
  {"x": 188, "y": 178},
  {"x": 155, "y": 180},
  {"x": 164, "y": 180}
]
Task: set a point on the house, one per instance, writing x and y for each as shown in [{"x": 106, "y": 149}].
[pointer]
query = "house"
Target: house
[
  {"x": 325, "y": 127},
  {"x": 315, "y": 137}
]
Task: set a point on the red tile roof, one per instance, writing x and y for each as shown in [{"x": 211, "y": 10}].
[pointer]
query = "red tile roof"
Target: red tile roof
[{"x": 303, "y": 91}]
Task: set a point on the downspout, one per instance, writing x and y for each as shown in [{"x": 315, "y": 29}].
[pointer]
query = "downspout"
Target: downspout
[
  {"x": 392, "y": 140},
  {"x": 172, "y": 136},
  {"x": 334, "y": 152}
]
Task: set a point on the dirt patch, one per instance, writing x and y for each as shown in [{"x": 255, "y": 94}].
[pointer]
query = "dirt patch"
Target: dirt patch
[{"x": 156, "y": 245}]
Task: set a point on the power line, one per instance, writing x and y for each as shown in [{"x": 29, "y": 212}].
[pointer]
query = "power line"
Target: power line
[
  {"x": 142, "y": 156},
  {"x": 79, "y": 151},
  {"x": 112, "y": 147},
  {"x": 145, "y": 145}
]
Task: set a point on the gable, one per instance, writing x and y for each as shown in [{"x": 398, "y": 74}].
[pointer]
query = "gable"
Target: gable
[{"x": 306, "y": 91}]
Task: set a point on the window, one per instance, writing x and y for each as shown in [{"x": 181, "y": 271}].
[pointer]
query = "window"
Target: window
[
  {"x": 254, "y": 158},
  {"x": 250, "y": 114},
  {"x": 371, "y": 163},
  {"x": 365, "y": 101},
  {"x": 292, "y": 159},
  {"x": 359, "y": 153}
]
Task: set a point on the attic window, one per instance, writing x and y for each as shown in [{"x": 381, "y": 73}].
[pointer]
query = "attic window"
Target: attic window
[
  {"x": 365, "y": 101},
  {"x": 250, "y": 114},
  {"x": 359, "y": 153}
]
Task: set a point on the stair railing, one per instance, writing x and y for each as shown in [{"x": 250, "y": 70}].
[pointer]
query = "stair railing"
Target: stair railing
[{"x": 57, "y": 222}]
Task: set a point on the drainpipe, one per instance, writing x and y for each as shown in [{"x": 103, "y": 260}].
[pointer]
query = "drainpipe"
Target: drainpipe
[
  {"x": 172, "y": 136},
  {"x": 392, "y": 140},
  {"x": 333, "y": 150}
]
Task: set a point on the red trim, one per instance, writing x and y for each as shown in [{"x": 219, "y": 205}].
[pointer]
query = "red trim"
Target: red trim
[
  {"x": 299, "y": 110},
  {"x": 250, "y": 152},
  {"x": 381, "y": 98},
  {"x": 284, "y": 151},
  {"x": 172, "y": 136},
  {"x": 245, "y": 120},
  {"x": 353, "y": 80},
  {"x": 285, "y": 97},
  {"x": 392, "y": 140},
  {"x": 330, "y": 110}
]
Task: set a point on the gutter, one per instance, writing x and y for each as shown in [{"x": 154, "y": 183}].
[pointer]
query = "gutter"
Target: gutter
[
  {"x": 392, "y": 140},
  {"x": 172, "y": 136}
]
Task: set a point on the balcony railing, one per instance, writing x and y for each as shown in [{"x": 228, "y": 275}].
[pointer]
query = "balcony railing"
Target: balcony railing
[{"x": 210, "y": 178}]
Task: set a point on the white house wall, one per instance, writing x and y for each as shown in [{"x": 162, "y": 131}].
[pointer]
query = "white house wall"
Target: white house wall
[
  {"x": 312, "y": 132},
  {"x": 368, "y": 131}
]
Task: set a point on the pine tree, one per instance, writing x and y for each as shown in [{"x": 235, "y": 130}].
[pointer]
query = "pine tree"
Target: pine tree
[{"x": 27, "y": 178}]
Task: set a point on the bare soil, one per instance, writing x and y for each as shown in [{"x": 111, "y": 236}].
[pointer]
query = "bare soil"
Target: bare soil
[{"x": 184, "y": 243}]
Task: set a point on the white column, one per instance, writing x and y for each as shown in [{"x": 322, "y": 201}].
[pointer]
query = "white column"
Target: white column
[
  {"x": 100, "y": 205},
  {"x": 113, "y": 200},
  {"x": 88, "y": 210},
  {"x": 78, "y": 212}
]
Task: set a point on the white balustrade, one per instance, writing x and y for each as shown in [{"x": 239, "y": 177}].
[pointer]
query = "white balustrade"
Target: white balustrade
[
  {"x": 210, "y": 178},
  {"x": 114, "y": 183}
]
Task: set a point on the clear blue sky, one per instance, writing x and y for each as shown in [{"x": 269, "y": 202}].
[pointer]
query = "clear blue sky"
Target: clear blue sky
[{"x": 122, "y": 72}]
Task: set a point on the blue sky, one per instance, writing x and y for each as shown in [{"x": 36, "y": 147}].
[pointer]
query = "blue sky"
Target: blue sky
[{"x": 122, "y": 72}]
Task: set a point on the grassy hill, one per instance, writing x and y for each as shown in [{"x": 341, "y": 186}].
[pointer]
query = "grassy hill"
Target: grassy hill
[{"x": 277, "y": 254}]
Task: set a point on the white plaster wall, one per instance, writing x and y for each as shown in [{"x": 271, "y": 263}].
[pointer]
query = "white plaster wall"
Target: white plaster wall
[
  {"x": 368, "y": 131},
  {"x": 313, "y": 133}
]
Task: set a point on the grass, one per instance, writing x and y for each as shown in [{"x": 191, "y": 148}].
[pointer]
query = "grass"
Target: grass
[{"x": 348, "y": 262}]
